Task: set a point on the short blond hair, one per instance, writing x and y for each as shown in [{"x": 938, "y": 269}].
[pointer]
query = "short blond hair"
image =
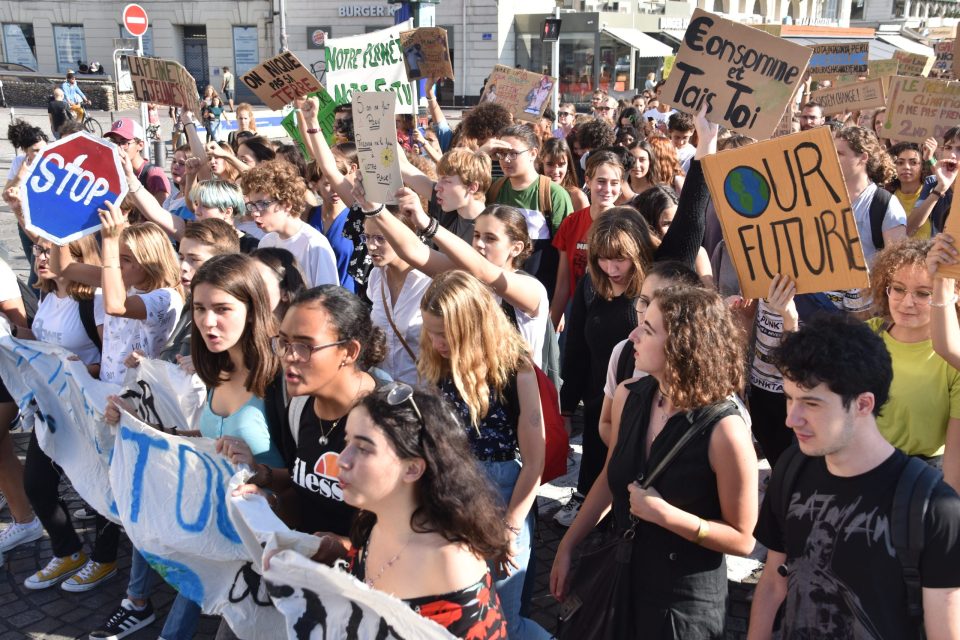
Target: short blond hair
[{"x": 469, "y": 166}]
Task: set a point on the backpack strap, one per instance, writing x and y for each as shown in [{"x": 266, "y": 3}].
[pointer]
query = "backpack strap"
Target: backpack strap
[
  {"x": 89, "y": 322},
  {"x": 878, "y": 211},
  {"x": 494, "y": 191},
  {"x": 546, "y": 202},
  {"x": 294, "y": 412},
  {"x": 626, "y": 363},
  {"x": 907, "y": 519},
  {"x": 791, "y": 461}
]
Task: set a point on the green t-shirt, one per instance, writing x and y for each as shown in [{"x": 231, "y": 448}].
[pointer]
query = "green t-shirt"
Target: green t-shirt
[
  {"x": 924, "y": 395},
  {"x": 528, "y": 201}
]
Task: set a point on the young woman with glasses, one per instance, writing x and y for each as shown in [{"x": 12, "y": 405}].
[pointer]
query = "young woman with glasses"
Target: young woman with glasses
[{"x": 407, "y": 467}]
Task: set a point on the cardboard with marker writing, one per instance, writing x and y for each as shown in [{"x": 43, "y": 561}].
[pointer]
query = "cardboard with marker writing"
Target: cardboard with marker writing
[
  {"x": 883, "y": 68},
  {"x": 956, "y": 58},
  {"x": 745, "y": 75},
  {"x": 280, "y": 79},
  {"x": 163, "y": 82},
  {"x": 839, "y": 58},
  {"x": 952, "y": 227},
  {"x": 920, "y": 108},
  {"x": 426, "y": 53},
  {"x": 857, "y": 96},
  {"x": 375, "y": 134},
  {"x": 913, "y": 64},
  {"x": 944, "y": 61},
  {"x": 523, "y": 93},
  {"x": 784, "y": 209}
]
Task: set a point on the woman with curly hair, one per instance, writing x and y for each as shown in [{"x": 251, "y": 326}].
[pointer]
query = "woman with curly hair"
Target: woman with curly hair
[
  {"x": 865, "y": 166},
  {"x": 275, "y": 195},
  {"x": 425, "y": 510},
  {"x": 922, "y": 416},
  {"x": 668, "y": 164},
  {"x": 475, "y": 355},
  {"x": 906, "y": 186},
  {"x": 704, "y": 503}
]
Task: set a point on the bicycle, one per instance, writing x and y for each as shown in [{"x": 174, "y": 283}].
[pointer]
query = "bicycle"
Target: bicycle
[{"x": 90, "y": 125}]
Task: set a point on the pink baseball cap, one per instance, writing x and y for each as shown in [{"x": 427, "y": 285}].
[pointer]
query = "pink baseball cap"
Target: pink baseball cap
[{"x": 127, "y": 129}]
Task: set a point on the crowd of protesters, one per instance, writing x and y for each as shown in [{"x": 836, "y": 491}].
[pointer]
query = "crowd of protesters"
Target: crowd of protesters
[{"x": 579, "y": 256}]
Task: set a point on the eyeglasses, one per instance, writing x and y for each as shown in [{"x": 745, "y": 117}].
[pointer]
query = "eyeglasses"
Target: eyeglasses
[
  {"x": 372, "y": 239},
  {"x": 603, "y": 108},
  {"x": 40, "y": 251},
  {"x": 509, "y": 156},
  {"x": 301, "y": 352},
  {"x": 564, "y": 114},
  {"x": 258, "y": 207},
  {"x": 898, "y": 293}
]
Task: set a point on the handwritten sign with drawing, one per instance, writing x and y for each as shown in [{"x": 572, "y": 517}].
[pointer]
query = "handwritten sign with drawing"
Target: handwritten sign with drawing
[
  {"x": 913, "y": 64},
  {"x": 280, "y": 79},
  {"x": 851, "y": 97},
  {"x": 841, "y": 57},
  {"x": 163, "y": 82},
  {"x": 920, "y": 108},
  {"x": 784, "y": 209},
  {"x": 426, "y": 53},
  {"x": 375, "y": 133},
  {"x": 523, "y": 93},
  {"x": 744, "y": 75}
]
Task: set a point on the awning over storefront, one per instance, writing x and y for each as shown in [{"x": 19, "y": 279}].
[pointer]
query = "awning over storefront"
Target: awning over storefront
[
  {"x": 646, "y": 46},
  {"x": 906, "y": 44}
]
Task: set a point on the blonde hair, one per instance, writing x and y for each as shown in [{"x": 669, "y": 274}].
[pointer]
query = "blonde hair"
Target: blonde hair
[
  {"x": 486, "y": 349},
  {"x": 469, "y": 166},
  {"x": 85, "y": 251},
  {"x": 152, "y": 250}
]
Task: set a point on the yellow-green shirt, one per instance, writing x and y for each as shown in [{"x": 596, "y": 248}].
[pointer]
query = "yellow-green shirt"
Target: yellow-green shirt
[
  {"x": 925, "y": 230},
  {"x": 924, "y": 395}
]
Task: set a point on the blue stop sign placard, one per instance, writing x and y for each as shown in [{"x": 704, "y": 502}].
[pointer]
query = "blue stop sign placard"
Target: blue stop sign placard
[{"x": 68, "y": 182}]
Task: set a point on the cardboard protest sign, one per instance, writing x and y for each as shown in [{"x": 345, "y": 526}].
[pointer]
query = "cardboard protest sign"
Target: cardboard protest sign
[
  {"x": 375, "y": 133},
  {"x": 325, "y": 116},
  {"x": 952, "y": 227},
  {"x": 280, "y": 79},
  {"x": 956, "y": 58},
  {"x": 882, "y": 68},
  {"x": 426, "y": 53},
  {"x": 668, "y": 62},
  {"x": 163, "y": 82},
  {"x": 913, "y": 64},
  {"x": 523, "y": 93},
  {"x": 785, "y": 126},
  {"x": 920, "y": 108},
  {"x": 944, "y": 58},
  {"x": 840, "y": 57},
  {"x": 744, "y": 75},
  {"x": 369, "y": 62},
  {"x": 851, "y": 97},
  {"x": 784, "y": 209}
]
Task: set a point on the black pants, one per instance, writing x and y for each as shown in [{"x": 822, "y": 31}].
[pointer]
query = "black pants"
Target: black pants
[
  {"x": 41, "y": 480},
  {"x": 768, "y": 412},
  {"x": 594, "y": 451}
]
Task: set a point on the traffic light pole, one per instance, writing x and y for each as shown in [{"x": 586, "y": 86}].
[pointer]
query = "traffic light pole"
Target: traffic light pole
[{"x": 555, "y": 65}]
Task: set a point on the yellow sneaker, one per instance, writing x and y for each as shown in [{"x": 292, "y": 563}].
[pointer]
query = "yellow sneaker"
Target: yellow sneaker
[
  {"x": 56, "y": 570},
  {"x": 92, "y": 574}
]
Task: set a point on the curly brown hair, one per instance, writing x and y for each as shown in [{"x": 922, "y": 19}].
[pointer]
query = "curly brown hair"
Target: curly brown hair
[
  {"x": 484, "y": 121},
  {"x": 277, "y": 179},
  {"x": 880, "y": 168},
  {"x": 705, "y": 358},
  {"x": 906, "y": 253},
  {"x": 595, "y": 134},
  {"x": 668, "y": 164}
]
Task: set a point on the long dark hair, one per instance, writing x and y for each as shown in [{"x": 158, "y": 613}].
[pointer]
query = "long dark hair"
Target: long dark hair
[
  {"x": 236, "y": 275},
  {"x": 285, "y": 266},
  {"x": 350, "y": 316},
  {"x": 453, "y": 497}
]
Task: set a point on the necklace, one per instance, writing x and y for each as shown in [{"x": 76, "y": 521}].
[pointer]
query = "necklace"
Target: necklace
[
  {"x": 325, "y": 437},
  {"x": 389, "y": 563},
  {"x": 661, "y": 400}
]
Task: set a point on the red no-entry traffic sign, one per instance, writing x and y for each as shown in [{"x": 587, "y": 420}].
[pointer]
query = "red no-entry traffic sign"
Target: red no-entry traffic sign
[{"x": 135, "y": 19}]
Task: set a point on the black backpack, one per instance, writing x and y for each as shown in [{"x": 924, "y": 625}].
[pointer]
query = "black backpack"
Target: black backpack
[
  {"x": 911, "y": 498},
  {"x": 878, "y": 211}
]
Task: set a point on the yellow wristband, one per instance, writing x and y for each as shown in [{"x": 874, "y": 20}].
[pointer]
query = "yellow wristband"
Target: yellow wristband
[{"x": 702, "y": 531}]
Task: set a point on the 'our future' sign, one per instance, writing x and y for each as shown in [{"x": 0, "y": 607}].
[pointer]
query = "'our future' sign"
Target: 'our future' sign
[{"x": 745, "y": 76}]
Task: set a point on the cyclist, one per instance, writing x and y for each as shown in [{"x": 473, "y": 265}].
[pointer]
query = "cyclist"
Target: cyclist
[{"x": 74, "y": 95}]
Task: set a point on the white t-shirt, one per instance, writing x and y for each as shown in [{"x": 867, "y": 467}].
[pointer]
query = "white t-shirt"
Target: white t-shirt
[
  {"x": 895, "y": 216},
  {"x": 9, "y": 289},
  {"x": 660, "y": 117},
  {"x": 15, "y": 167},
  {"x": 685, "y": 155},
  {"x": 123, "y": 336},
  {"x": 313, "y": 253},
  {"x": 405, "y": 313},
  {"x": 610, "y": 386},
  {"x": 58, "y": 322},
  {"x": 534, "y": 329}
]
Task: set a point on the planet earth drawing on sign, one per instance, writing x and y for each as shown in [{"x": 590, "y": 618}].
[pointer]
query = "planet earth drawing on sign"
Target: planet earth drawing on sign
[{"x": 747, "y": 191}]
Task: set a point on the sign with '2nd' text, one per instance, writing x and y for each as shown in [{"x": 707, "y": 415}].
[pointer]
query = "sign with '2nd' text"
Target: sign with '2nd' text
[{"x": 745, "y": 77}]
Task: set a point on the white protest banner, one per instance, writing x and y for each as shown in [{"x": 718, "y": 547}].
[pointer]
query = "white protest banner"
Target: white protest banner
[
  {"x": 164, "y": 395},
  {"x": 70, "y": 404},
  {"x": 920, "y": 108},
  {"x": 375, "y": 134},
  {"x": 329, "y": 603},
  {"x": 744, "y": 75},
  {"x": 280, "y": 79},
  {"x": 369, "y": 62}
]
